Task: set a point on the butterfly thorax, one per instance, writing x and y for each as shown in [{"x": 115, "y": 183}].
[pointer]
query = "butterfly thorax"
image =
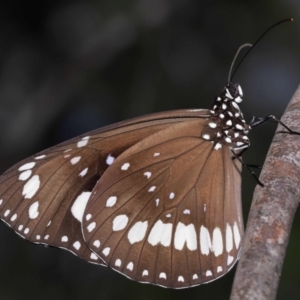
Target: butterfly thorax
[{"x": 227, "y": 124}]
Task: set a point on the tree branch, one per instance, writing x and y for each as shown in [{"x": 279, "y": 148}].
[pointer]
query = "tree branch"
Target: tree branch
[{"x": 271, "y": 215}]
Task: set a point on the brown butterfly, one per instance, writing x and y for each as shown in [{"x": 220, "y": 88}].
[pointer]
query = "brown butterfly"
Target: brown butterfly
[{"x": 157, "y": 198}]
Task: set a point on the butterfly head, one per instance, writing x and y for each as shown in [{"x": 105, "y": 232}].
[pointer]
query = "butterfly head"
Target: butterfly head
[{"x": 227, "y": 124}]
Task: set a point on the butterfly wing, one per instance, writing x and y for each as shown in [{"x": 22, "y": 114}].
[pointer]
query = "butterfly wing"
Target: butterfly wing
[
  {"x": 43, "y": 197},
  {"x": 168, "y": 210}
]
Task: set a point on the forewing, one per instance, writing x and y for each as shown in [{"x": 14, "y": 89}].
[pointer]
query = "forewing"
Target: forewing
[
  {"x": 43, "y": 197},
  {"x": 168, "y": 210}
]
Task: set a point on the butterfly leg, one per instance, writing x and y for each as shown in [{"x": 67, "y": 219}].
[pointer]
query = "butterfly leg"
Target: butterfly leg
[
  {"x": 248, "y": 166},
  {"x": 256, "y": 121}
]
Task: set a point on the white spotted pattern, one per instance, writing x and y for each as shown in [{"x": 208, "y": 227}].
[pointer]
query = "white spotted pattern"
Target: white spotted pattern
[
  {"x": 237, "y": 236},
  {"x": 137, "y": 232},
  {"x": 25, "y": 175},
  {"x": 31, "y": 187},
  {"x": 77, "y": 245},
  {"x": 88, "y": 217},
  {"x": 152, "y": 189},
  {"x": 83, "y": 172},
  {"x": 110, "y": 159},
  {"x": 120, "y": 222},
  {"x": 180, "y": 279},
  {"x": 130, "y": 266},
  {"x": 79, "y": 205},
  {"x": 195, "y": 276},
  {"x": 26, "y": 230},
  {"x": 163, "y": 275},
  {"x": 148, "y": 174},
  {"x": 118, "y": 262},
  {"x": 229, "y": 238},
  {"x": 205, "y": 240},
  {"x": 75, "y": 160},
  {"x": 83, "y": 142},
  {"x": 111, "y": 201},
  {"x": 94, "y": 256},
  {"x": 187, "y": 212},
  {"x": 97, "y": 243},
  {"x": 171, "y": 196},
  {"x": 160, "y": 233},
  {"x": 145, "y": 273},
  {"x": 185, "y": 234},
  {"x": 106, "y": 251},
  {"x": 14, "y": 217},
  {"x": 125, "y": 166},
  {"x": 33, "y": 210},
  {"x": 217, "y": 242},
  {"x": 64, "y": 239},
  {"x": 7, "y": 212},
  {"x": 91, "y": 226},
  {"x": 20, "y": 227},
  {"x": 208, "y": 273},
  {"x": 27, "y": 166},
  {"x": 219, "y": 269}
]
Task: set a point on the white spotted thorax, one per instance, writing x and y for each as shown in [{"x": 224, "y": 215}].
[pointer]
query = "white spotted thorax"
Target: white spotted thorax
[{"x": 227, "y": 124}]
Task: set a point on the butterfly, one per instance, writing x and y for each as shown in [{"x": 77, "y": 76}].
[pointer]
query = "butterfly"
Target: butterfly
[{"x": 156, "y": 198}]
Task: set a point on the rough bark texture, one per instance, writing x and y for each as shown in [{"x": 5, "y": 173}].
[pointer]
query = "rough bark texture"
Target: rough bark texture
[{"x": 271, "y": 214}]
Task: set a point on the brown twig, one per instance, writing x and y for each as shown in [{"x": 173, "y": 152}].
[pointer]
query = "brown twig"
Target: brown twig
[{"x": 271, "y": 214}]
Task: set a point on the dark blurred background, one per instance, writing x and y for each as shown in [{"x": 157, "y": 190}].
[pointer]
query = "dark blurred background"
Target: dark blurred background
[{"x": 67, "y": 67}]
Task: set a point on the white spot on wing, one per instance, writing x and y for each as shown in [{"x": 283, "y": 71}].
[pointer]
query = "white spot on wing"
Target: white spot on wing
[
  {"x": 26, "y": 230},
  {"x": 75, "y": 160},
  {"x": 64, "y": 239},
  {"x": 125, "y": 166},
  {"x": 205, "y": 241},
  {"x": 94, "y": 256},
  {"x": 218, "y": 146},
  {"x": 217, "y": 242},
  {"x": 20, "y": 227},
  {"x": 31, "y": 187},
  {"x": 156, "y": 154},
  {"x": 120, "y": 222},
  {"x": 83, "y": 172},
  {"x": 7, "y": 212},
  {"x": 206, "y": 136},
  {"x": 229, "y": 260},
  {"x": 38, "y": 237},
  {"x": 219, "y": 269},
  {"x": 157, "y": 202},
  {"x": 91, "y": 226},
  {"x": 33, "y": 210},
  {"x": 195, "y": 276},
  {"x": 148, "y": 174},
  {"x": 46, "y": 237},
  {"x": 118, "y": 262},
  {"x": 83, "y": 142},
  {"x": 187, "y": 212},
  {"x": 208, "y": 273},
  {"x": 96, "y": 243},
  {"x": 1, "y": 201},
  {"x": 145, "y": 273},
  {"x": 130, "y": 266},
  {"x": 110, "y": 159},
  {"x": 229, "y": 238},
  {"x": 77, "y": 245},
  {"x": 185, "y": 234},
  {"x": 40, "y": 157},
  {"x": 152, "y": 189},
  {"x": 137, "y": 232},
  {"x": 237, "y": 236},
  {"x": 27, "y": 166},
  {"x": 171, "y": 196},
  {"x": 14, "y": 217},
  {"x": 79, "y": 205},
  {"x": 106, "y": 251},
  {"x": 88, "y": 217},
  {"x": 163, "y": 275},
  {"x": 111, "y": 201},
  {"x": 25, "y": 175},
  {"x": 160, "y": 233},
  {"x": 180, "y": 279}
]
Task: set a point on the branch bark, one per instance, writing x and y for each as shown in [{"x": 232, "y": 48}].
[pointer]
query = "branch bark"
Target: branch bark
[{"x": 271, "y": 214}]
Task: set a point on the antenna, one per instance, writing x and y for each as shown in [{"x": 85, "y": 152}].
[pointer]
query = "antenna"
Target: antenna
[
  {"x": 276, "y": 24},
  {"x": 234, "y": 59}
]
